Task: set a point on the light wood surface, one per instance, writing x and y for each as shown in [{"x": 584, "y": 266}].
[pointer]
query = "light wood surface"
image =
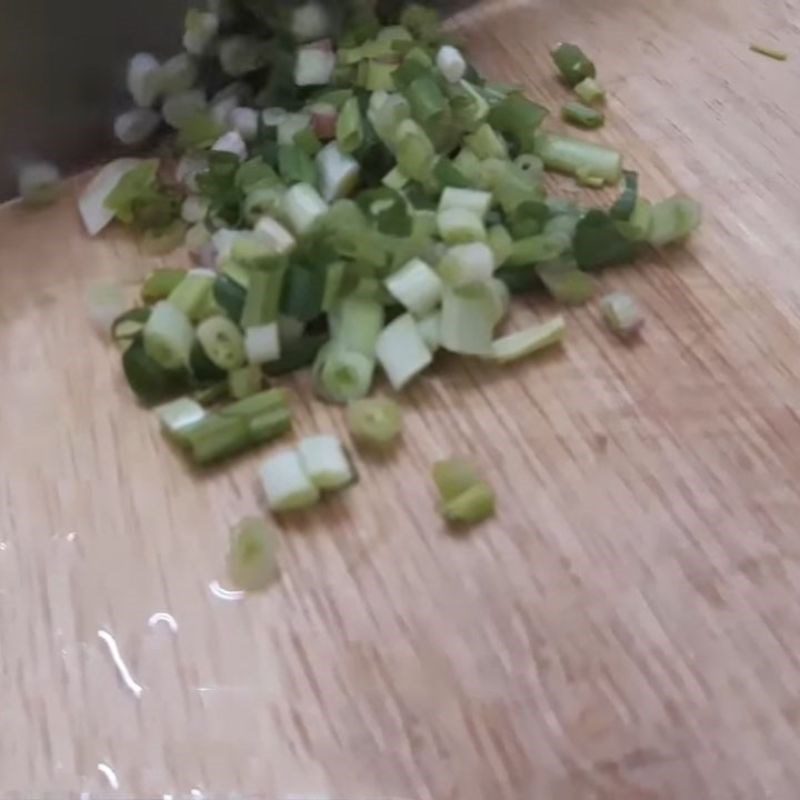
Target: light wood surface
[{"x": 627, "y": 629}]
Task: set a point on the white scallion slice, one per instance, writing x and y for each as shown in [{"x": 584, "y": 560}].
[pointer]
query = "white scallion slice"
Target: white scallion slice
[
  {"x": 325, "y": 462},
  {"x": 168, "y": 336},
  {"x": 178, "y": 416},
  {"x": 92, "y": 202},
  {"x": 471, "y": 199},
  {"x": 194, "y": 209},
  {"x": 314, "y": 67},
  {"x": 303, "y": 206},
  {"x": 135, "y": 126},
  {"x": 467, "y": 263},
  {"x": 528, "y": 341},
  {"x": 460, "y": 226},
  {"x": 222, "y": 342},
  {"x": 286, "y": 485},
  {"x": 144, "y": 79},
  {"x": 277, "y": 238},
  {"x": 338, "y": 172},
  {"x": 290, "y": 124},
  {"x": 468, "y": 319},
  {"x": 252, "y": 557},
  {"x": 451, "y": 63},
  {"x": 402, "y": 351},
  {"x": 245, "y": 122},
  {"x": 231, "y": 142},
  {"x": 621, "y": 313},
  {"x": 430, "y": 329},
  {"x": 416, "y": 286},
  {"x": 263, "y": 343}
]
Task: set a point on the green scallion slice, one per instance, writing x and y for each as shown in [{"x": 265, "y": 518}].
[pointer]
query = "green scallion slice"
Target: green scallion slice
[
  {"x": 528, "y": 341},
  {"x": 168, "y": 336},
  {"x": 572, "y": 63},
  {"x": 222, "y": 342},
  {"x": 160, "y": 283},
  {"x": 582, "y": 116},
  {"x": 375, "y": 422},
  {"x": 252, "y": 557},
  {"x": 129, "y": 325}
]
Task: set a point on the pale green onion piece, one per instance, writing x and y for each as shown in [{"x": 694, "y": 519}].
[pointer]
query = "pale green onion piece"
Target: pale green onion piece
[
  {"x": 106, "y": 302},
  {"x": 469, "y": 165},
  {"x": 303, "y": 206},
  {"x": 386, "y": 112},
  {"x": 179, "y": 416},
  {"x": 528, "y": 341},
  {"x": 340, "y": 376},
  {"x": 164, "y": 240},
  {"x": 401, "y": 351},
  {"x": 590, "y": 91},
  {"x": 313, "y": 66},
  {"x": 487, "y": 143},
  {"x": 180, "y": 108},
  {"x": 231, "y": 142},
  {"x": 168, "y": 336},
  {"x": 474, "y": 505},
  {"x": 310, "y": 21},
  {"x": 245, "y": 381},
  {"x": 430, "y": 329},
  {"x": 468, "y": 319},
  {"x": 501, "y": 296},
  {"x": 582, "y": 115},
  {"x": 379, "y": 75},
  {"x": 450, "y": 63},
  {"x": 578, "y": 158},
  {"x": 572, "y": 63},
  {"x": 263, "y": 200},
  {"x": 222, "y": 342},
  {"x": 194, "y": 209},
  {"x": 470, "y": 199},
  {"x": 245, "y": 121},
  {"x": 160, "y": 282},
  {"x": 460, "y": 226},
  {"x": 673, "y": 219},
  {"x": 262, "y": 343},
  {"x": 414, "y": 150},
  {"x": 769, "y": 52},
  {"x": 338, "y": 172},
  {"x": 240, "y": 55},
  {"x": 454, "y": 476},
  {"x": 349, "y": 126},
  {"x": 274, "y": 235},
  {"x": 416, "y": 286},
  {"x": 177, "y": 74},
  {"x": 285, "y": 483},
  {"x": 536, "y": 249},
  {"x": 501, "y": 243},
  {"x": 467, "y": 263},
  {"x": 252, "y": 558},
  {"x": 92, "y": 202},
  {"x": 325, "y": 462},
  {"x": 375, "y": 422},
  {"x": 200, "y": 28},
  {"x": 191, "y": 295},
  {"x": 395, "y": 179},
  {"x": 621, "y": 313},
  {"x": 189, "y": 168},
  {"x": 289, "y": 125},
  {"x": 360, "y": 321},
  {"x": 532, "y": 166},
  {"x": 39, "y": 183},
  {"x": 144, "y": 79}
]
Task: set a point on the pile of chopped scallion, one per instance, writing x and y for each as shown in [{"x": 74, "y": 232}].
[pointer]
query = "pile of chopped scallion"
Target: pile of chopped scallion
[{"x": 356, "y": 197}]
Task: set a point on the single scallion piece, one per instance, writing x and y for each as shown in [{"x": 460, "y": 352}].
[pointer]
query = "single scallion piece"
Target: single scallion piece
[
  {"x": 673, "y": 219},
  {"x": 416, "y": 286},
  {"x": 565, "y": 282},
  {"x": 245, "y": 381},
  {"x": 401, "y": 351},
  {"x": 430, "y": 329},
  {"x": 179, "y": 416},
  {"x": 474, "y": 505},
  {"x": 460, "y": 226},
  {"x": 463, "y": 264},
  {"x": 414, "y": 150},
  {"x": 582, "y": 116},
  {"x": 375, "y": 422},
  {"x": 286, "y": 485},
  {"x": 192, "y": 293},
  {"x": 222, "y": 342},
  {"x": 168, "y": 336},
  {"x": 769, "y": 52},
  {"x": 469, "y": 315},
  {"x": 485, "y": 142},
  {"x": 252, "y": 558},
  {"x": 531, "y": 340},
  {"x": 262, "y": 343},
  {"x": 450, "y": 63},
  {"x": 325, "y": 462},
  {"x": 573, "y": 64},
  {"x": 621, "y": 314},
  {"x": 303, "y": 206},
  {"x": 349, "y": 127},
  {"x": 578, "y": 158},
  {"x": 590, "y": 91},
  {"x": 128, "y": 326},
  {"x": 338, "y": 172},
  {"x": 341, "y": 376},
  {"x": 454, "y": 476}
]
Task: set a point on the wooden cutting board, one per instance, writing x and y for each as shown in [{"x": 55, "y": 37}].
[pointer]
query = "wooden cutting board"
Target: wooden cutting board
[{"x": 628, "y": 626}]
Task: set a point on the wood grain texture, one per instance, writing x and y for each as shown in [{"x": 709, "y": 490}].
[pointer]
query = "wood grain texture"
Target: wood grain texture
[{"x": 627, "y": 628}]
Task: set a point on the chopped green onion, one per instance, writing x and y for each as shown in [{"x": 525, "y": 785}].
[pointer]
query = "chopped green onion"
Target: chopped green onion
[
  {"x": 95, "y": 214},
  {"x": 401, "y": 351},
  {"x": 338, "y": 172},
  {"x": 245, "y": 381},
  {"x": 262, "y": 343},
  {"x": 276, "y": 237},
  {"x": 572, "y": 63},
  {"x": 216, "y": 437},
  {"x": 385, "y": 113},
  {"x": 485, "y": 142},
  {"x": 450, "y": 63},
  {"x": 500, "y": 242},
  {"x": 470, "y": 199},
  {"x": 360, "y": 324},
  {"x": 535, "y": 249},
  {"x": 349, "y": 127},
  {"x": 460, "y": 226},
  {"x": 168, "y": 336},
  {"x": 415, "y": 152},
  {"x": 128, "y": 326},
  {"x": 252, "y": 562},
  {"x": 289, "y": 125},
  {"x": 340, "y": 376},
  {"x": 582, "y": 115},
  {"x": 565, "y": 282},
  {"x": 296, "y": 165},
  {"x": 474, "y": 505},
  {"x": 150, "y": 381},
  {"x": 375, "y": 422},
  {"x": 590, "y": 91},
  {"x": 454, "y": 476},
  {"x": 468, "y": 319},
  {"x": 625, "y": 205},
  {"x": 426, "y": 99},
  {"x": 501, "y": 296},
  {"x": 230, "y": 296},
  {"x": 467, "y": 263},
  {"x": 769, "y": 52},
  {"x": 673, "y": 219},
  {"x": 518, "y": 118},
  {"x": 263, "y": 297},
  {"x": 430, "y": 329},
  {"x": 468, "y": 105},
  {"x": 578, "y": 158},
  {"x": 314, "y": 66},
  {"x": 528, "y": 341},
  {"x": 178, "y": 416},
  {"x": 303, "y": 206},
  {"x": 621, "y": 314},
  {"x": 222, "y": 342},
  {"x": 416, "y": 286},
  {"x": 286, "y": 485},
  {"x": 191, "y": 295},
  {"x": 163, "y": 241},
  {"x": 325, "y": 462},
  {"x": 200, "y": 28},
  {"x": 598, "y": 241}
]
